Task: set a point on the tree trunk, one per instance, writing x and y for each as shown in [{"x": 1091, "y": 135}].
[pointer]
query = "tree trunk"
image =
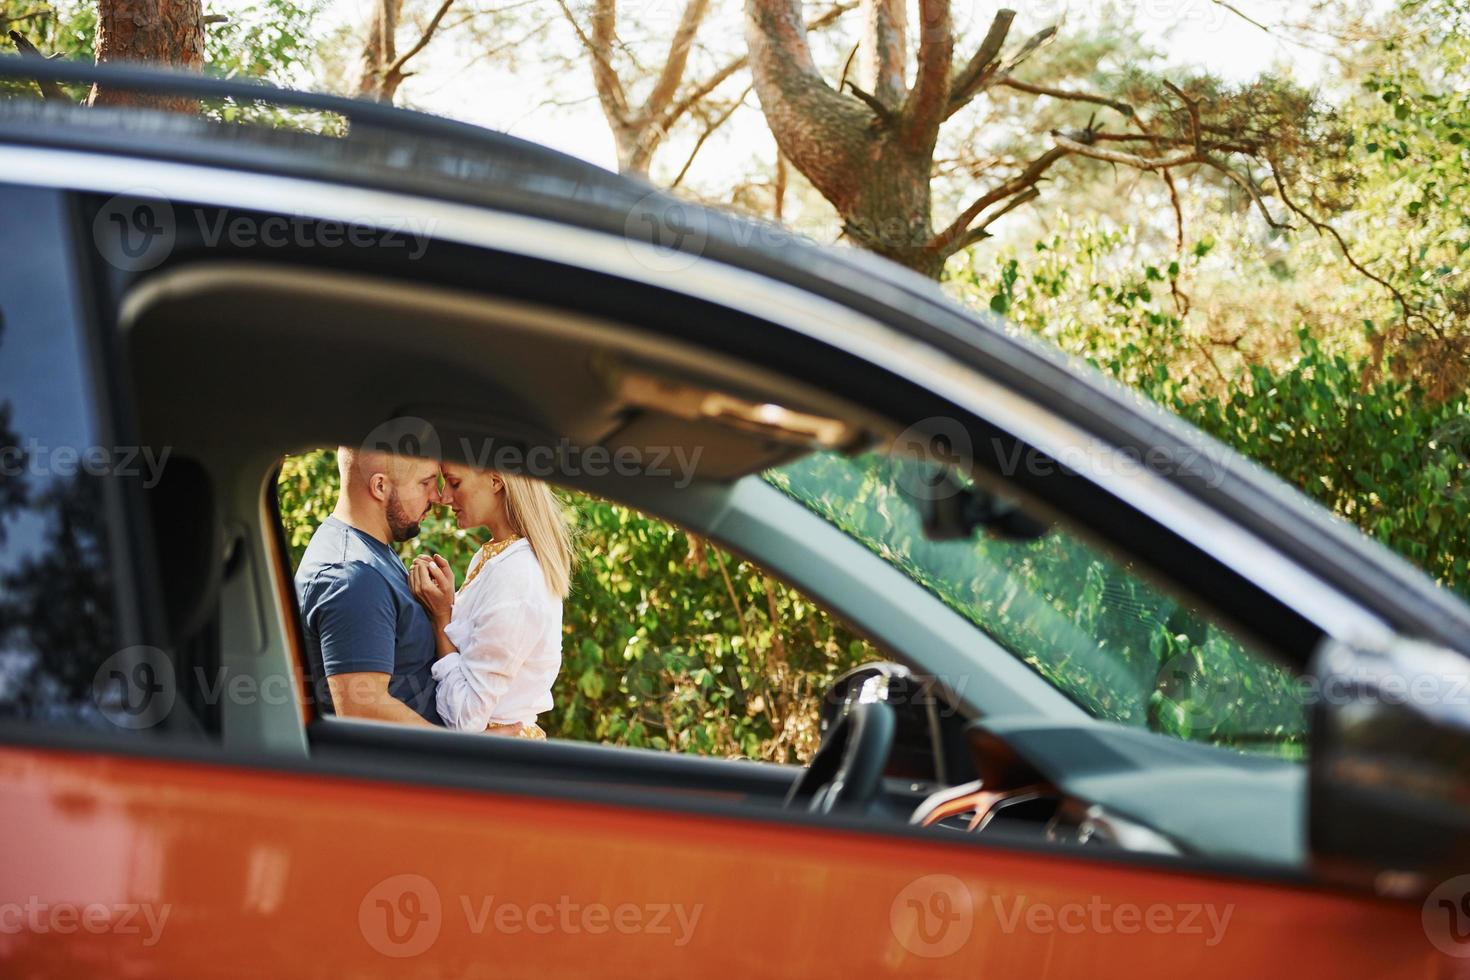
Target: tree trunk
[
  {"x": 869, "y": 153},
  {"x": 166, "y": 32},
  {"x": 375, "y": 80},
  {"x": 889, "y": 207}
]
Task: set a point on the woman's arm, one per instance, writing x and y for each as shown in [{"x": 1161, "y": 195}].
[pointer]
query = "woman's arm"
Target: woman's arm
[{"x": 493, "y": 649}]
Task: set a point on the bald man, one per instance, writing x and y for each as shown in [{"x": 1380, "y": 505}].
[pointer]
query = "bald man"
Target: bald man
[{"x": 373, "y": 638}]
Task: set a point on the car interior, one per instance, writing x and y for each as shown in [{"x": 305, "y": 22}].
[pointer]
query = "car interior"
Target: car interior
[{"x": 469, "y": 344}]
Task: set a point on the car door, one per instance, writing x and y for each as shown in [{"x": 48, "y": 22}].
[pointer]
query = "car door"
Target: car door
[{"x": 385, "y": 852}]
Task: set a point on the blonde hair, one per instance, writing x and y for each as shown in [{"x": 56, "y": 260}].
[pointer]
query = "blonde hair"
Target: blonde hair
[{"x": 537, "y": 516}]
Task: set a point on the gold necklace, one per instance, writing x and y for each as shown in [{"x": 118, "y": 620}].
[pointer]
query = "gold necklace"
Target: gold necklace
[{"x": 489, "y": 550}]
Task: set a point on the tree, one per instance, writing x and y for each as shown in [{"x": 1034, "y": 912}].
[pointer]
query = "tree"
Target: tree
[
  {"x": 868, "y": 145},
  {"x": 267, "y": 39},
  {"x": 640, "y": 126},
  {"x": 381, "y": 69},
  {"x": 166, "y": 32}
]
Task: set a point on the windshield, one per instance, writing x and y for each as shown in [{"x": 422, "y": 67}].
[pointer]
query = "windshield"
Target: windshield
[{"x": 1092, "y": 626}]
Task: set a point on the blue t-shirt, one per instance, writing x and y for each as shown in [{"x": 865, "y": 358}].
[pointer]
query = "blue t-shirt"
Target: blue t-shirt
[{"x": 359, "y": 615}]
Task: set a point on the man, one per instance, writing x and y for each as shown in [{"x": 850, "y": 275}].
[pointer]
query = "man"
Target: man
[{"x": 371, "y": 636}]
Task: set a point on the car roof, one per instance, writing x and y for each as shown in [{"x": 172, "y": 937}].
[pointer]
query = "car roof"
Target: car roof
[{"x": 398, "y": 150}]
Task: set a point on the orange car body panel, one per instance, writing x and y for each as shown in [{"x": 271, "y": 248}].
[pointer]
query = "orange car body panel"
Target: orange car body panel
[{"x": 273, "y": 874}]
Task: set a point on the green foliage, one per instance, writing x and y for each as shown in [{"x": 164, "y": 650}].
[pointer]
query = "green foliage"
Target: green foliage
[
  {"x": 63, "y": 28},
  {"x": 1378, "y": 450},
  {"x": 669, "y": 641},
  {"x": 269, "y": 40},
  {"x": 1382, "y": 454},
  {"x": 1408, "y": 172},
  {"x": 1102, "y": 634}
]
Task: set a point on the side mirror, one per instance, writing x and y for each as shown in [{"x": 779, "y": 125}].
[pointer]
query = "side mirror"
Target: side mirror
[{"x": 1389, "y": 801}]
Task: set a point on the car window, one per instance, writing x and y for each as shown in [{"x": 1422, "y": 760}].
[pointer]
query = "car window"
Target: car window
[
  {"x": 1115, "y": 643},
  {"x": 59, "y": 637},
  {"x": 668, "y": 641}
]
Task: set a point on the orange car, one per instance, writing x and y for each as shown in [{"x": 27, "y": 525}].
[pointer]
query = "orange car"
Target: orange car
[{"x": 1054, "y": 571}]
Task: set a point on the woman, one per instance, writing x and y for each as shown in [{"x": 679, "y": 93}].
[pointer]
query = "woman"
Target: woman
[{"x": 499, "y": 638}]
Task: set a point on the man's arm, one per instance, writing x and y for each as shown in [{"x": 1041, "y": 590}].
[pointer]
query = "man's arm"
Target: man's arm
[
  {"x": 364, "y": 694},
  {"x": 354, "y": 614}
]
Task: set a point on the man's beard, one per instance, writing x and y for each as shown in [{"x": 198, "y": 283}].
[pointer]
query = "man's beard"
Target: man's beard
[{"x": 400, "y": 525}]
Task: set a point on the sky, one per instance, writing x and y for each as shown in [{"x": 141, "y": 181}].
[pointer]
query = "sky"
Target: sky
[{"x": 1200, "y": 33}]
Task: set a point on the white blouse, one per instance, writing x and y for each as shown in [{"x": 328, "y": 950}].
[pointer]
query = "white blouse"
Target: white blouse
[{"x": 506, "y": 626}]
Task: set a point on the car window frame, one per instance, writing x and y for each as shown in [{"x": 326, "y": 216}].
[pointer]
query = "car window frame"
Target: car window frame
[
  {"x": 137, "y": 605},
  {"x": 400, "y": 775}
]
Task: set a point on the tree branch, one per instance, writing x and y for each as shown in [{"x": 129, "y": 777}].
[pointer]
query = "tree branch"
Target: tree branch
[
  {"x": 714, "y": 81},
  {"x": 924, "y": 109},
  {"x": 1410, "y": 312},
  {"x": 981, "y": 231},
  {"x": 1059, "y": 93},
  {"x": 884, "y": 114},
  {"x": 28, "y": 15},
  {"x": 818, "y": 128},
  {"x": 599, "y": 47},
  {"x": 885, "y": 50},
  {"x": 1249, "y": 186},
  {"x": 948, "y": 241},
  {"x": 970, "y": 79},
  {"x": 396, "y": 69},
  {"x": 1243, "y": 16},
  {"x": 1072, "y": 144},
  {"x": 1178, "y": 210},
  {"x": 672, "y": 74},
  {"x": 50, "y": 91},
  {"x": 1082, "y": 144},
  {"x": 1033, "y": 44},
  {"x": 709, "y": 130}
]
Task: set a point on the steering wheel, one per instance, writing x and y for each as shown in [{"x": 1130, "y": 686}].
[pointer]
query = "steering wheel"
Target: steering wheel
[{"x": 847, "y": 773}]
